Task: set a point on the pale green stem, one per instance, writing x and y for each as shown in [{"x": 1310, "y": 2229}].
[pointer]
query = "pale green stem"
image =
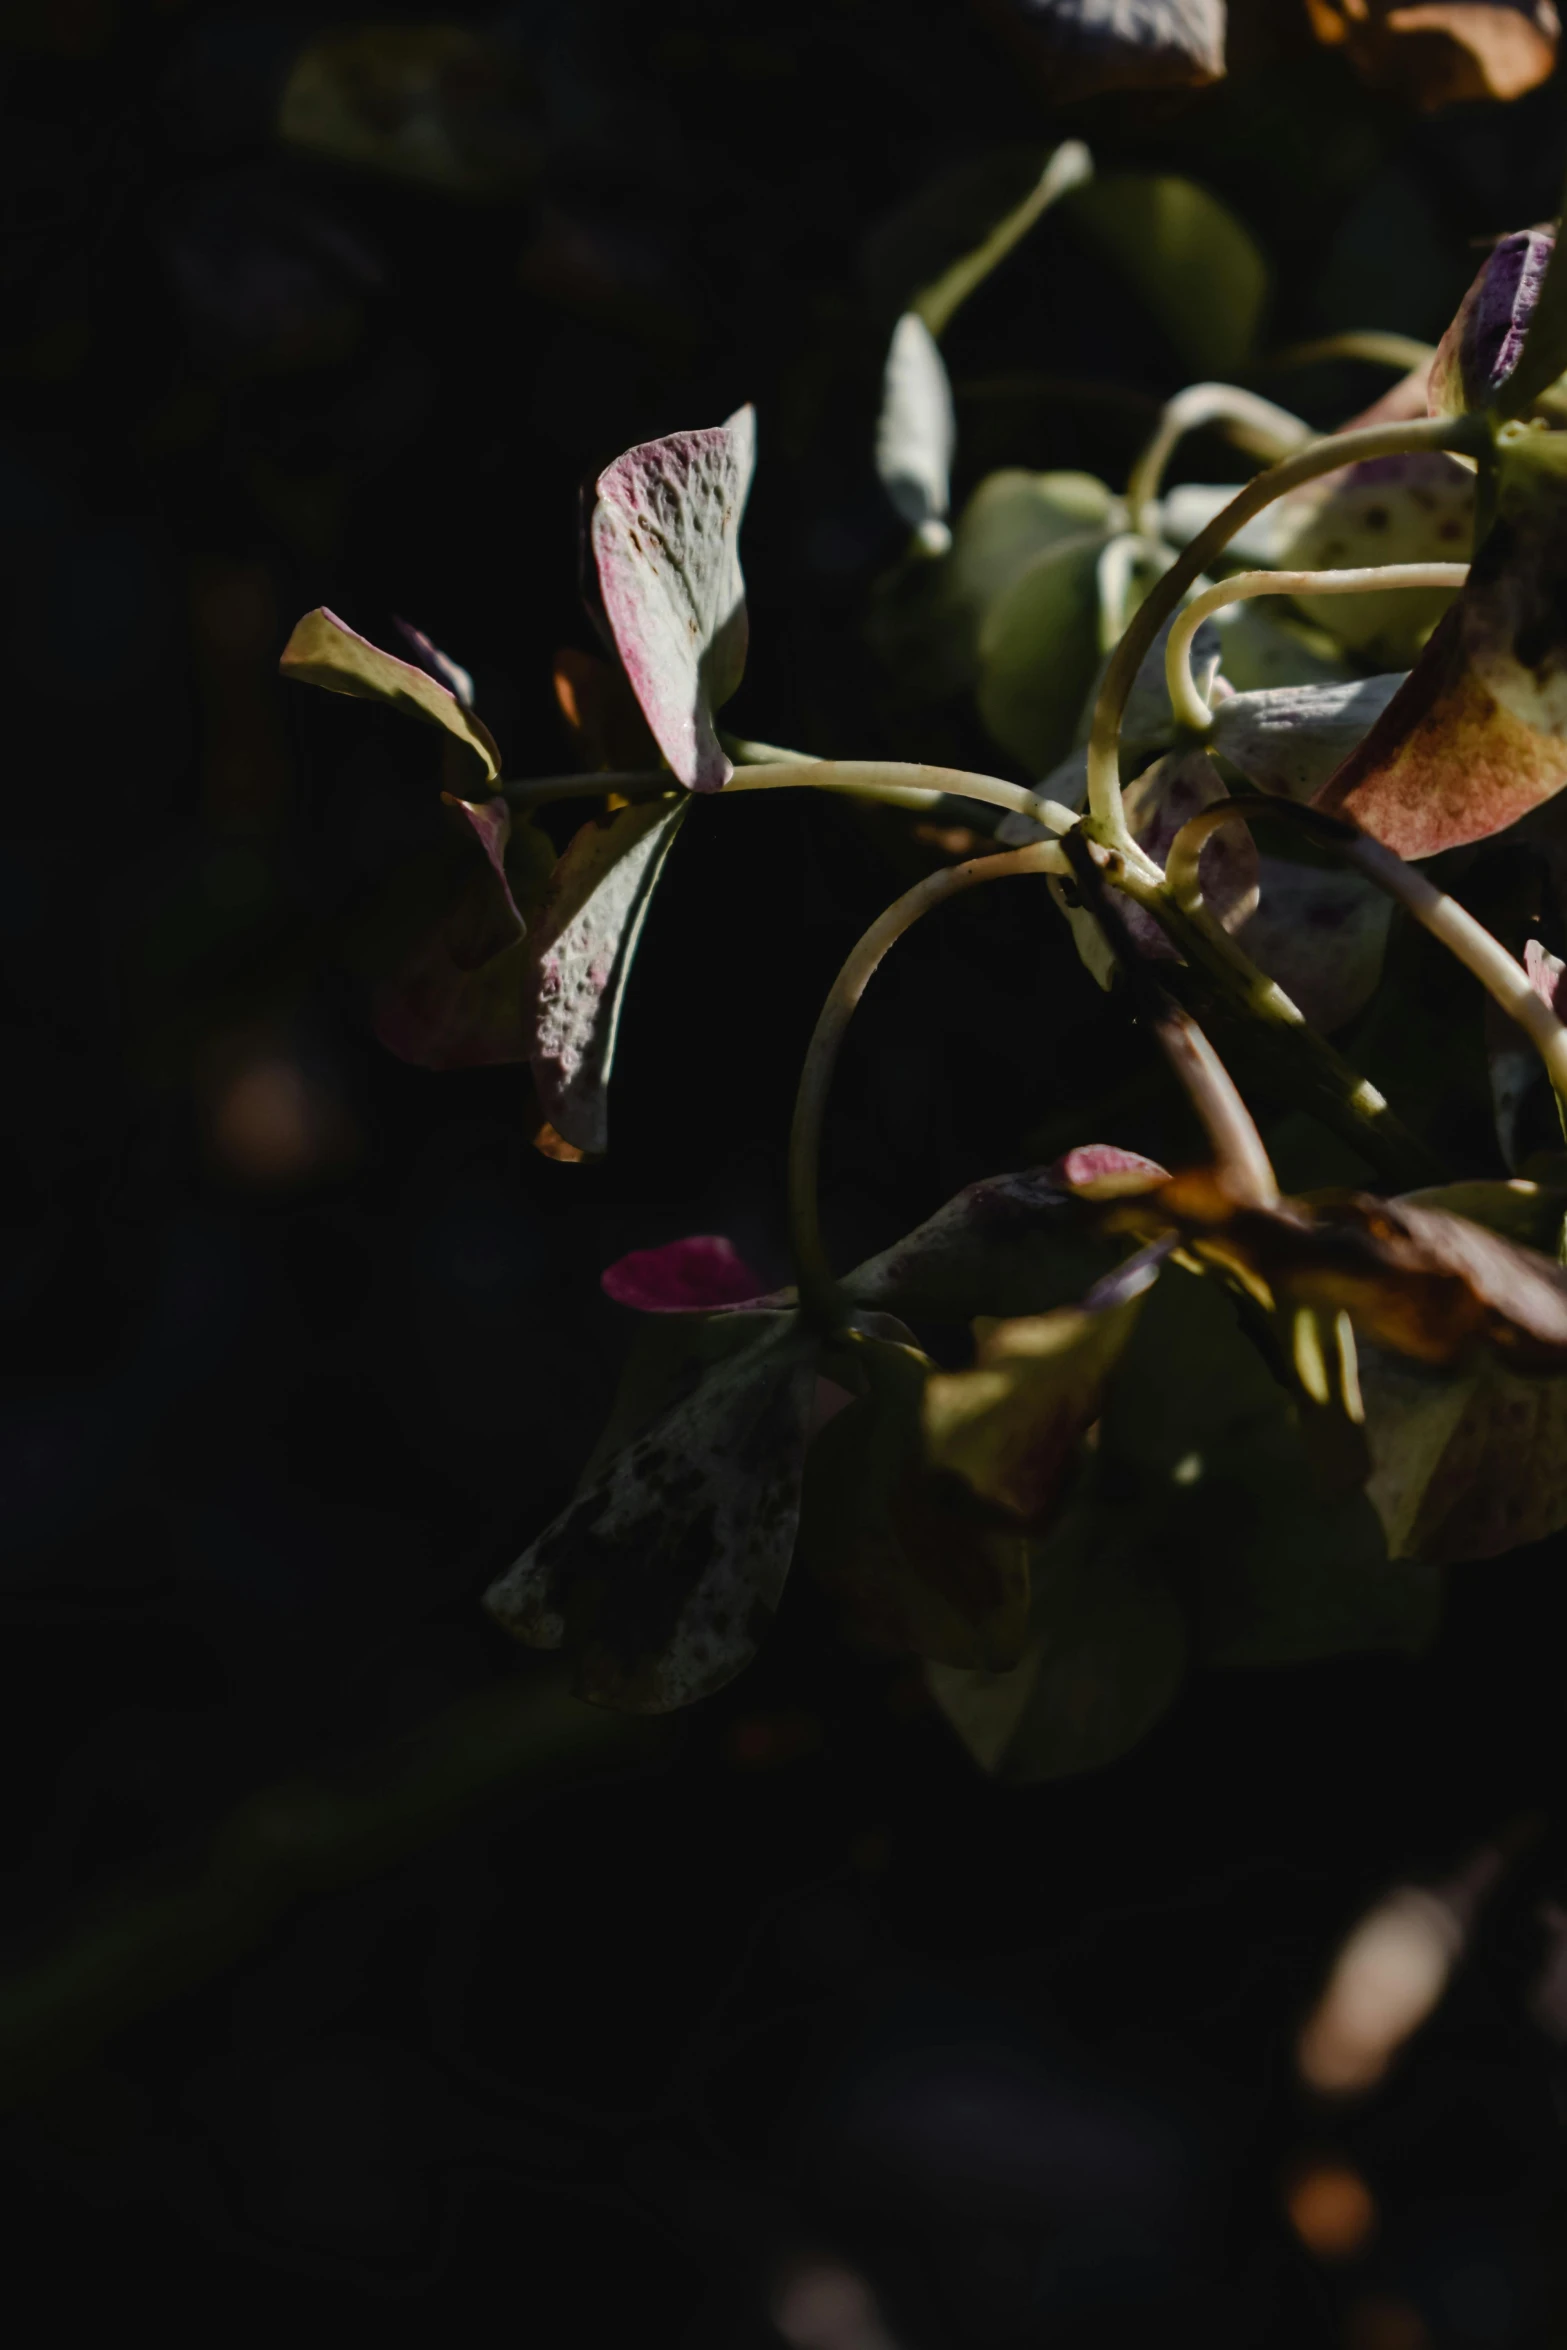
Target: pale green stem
[
  {"x": 1188, "y": 704},
  {"x": 897, "y": 783},
  {"x": 1252, "y": 423},
  {"x": 1503, "y": 979},
  {"x": 818, "y": 1290},
  {"x": 1325, "y": 456},
  {"x": 1368, "y": 343}
]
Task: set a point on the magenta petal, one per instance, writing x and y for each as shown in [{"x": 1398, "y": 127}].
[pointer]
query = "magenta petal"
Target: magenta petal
[{"x": 685, "y": 1277}]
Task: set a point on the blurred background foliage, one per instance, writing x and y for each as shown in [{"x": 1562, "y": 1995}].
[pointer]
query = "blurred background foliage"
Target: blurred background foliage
[{"x": 786, "y": 2026}]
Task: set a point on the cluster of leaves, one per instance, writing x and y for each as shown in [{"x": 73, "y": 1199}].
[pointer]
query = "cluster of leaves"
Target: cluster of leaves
[{"x": 1197, "y": 1421}]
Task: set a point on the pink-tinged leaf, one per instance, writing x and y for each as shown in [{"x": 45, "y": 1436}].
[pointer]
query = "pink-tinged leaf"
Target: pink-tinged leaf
[
  {"x": 1477, "y": 734},
  {"x": 665, "y": 535},
  {"x": 1321, "y": 934},
  {"x": 1485, "y": 342},
  {"x": 663, "y": 1575},
  {"x": 460, "y": 998},
  {"x": 580, "y": 957},
  {"x": 323, "y": 651},
  {"x": 1100, "y": 1170},
  {"x": 685, "y": 1277},
  {"x": 1546, "y": 972}
]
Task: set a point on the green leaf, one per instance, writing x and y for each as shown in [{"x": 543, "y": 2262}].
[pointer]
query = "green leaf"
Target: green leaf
[
  {"x": 436, "y": 104},
  {"x": 932, "y": 253},
  {"x": 1193, "y": 263},
  {"x": 579, "y": 959},
  {"x": 1038, "y": 653},
  {"x": 916, "y": 433},
  {"x": 1204, "y": 1443},
  {"x": 1105, "y": 1656},
  {"x": 912, "y": 1565},
  {"x": 324, "y": 651}
]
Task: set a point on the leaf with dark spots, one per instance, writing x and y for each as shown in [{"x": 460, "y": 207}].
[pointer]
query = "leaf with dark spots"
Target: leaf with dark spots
[
  {"x": 324, "y": 651},
  {"x": 662, "y": 1576},
  {"x": 1012, "y": 1244},
  {"x": 1477, "y": 734},
  {"x": 1289, "y": 739},
  {"x": 665, "y": 533},
  {"x": 683, "y": 1277},
  {"x": 1420, "y": 1281},
  {"x": 1320, "y": 931},
  {"x": 1482, "y": 347},
  {"x": 1010, "y": 1426},
  {"x": 1416, "y": 507},
  {"x": 459, "y": 998},
  {"x": 579, "y": 958},
  {"x": 911, "y": 1564},
  {"x": 603, "y": 713},
  {"x": 1104, "y": 1657}
]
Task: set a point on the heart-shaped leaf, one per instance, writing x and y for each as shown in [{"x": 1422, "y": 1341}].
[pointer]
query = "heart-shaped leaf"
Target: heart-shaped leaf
[
  {"x": 324, "y": 651},
  {"x": 1477, "y": 734},
  {"x": 1197, "y": 269},
  {"x": 580, "y": 957},
  {"x": 665, "y": 534},
  {"x": 916, "y": 433},
  {"x": 663, "y": 1575}
]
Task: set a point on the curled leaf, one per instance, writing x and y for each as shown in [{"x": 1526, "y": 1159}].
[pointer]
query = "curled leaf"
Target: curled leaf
[
  {"x": 324, "y": 651},
  {"x": 1420, "y": 1281},
  {"x": 460, "y": 998},
  {"x": 1477, "y": 734},
  {"x": 665, "y": 534},
  {"x": 663, "y": 1575},
  {"x": 580, "y": 956},
  {"x": 683, "y": 1277},
  {"x": 1443, "y": 52},
  {"x": 1485, "y": 341},
  {"x": 916, "y": 433}
]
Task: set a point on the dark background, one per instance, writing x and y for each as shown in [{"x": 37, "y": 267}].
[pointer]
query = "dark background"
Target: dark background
[{"x": 305, "y": 1343}]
